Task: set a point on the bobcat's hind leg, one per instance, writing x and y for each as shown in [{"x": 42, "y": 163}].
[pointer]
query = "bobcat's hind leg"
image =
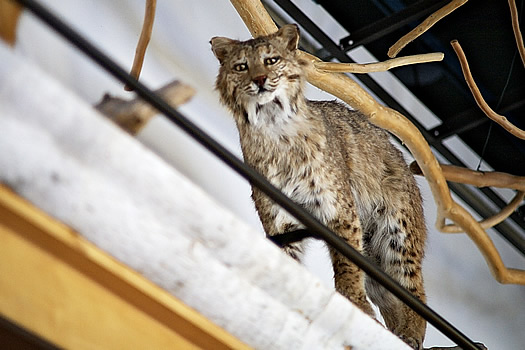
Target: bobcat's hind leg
[
  {"x": 397, "y": 246},
  {"x": 399, "y": 318}
]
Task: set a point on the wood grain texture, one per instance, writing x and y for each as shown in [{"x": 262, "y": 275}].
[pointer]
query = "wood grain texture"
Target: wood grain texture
[{"x": 63, "y": 288}]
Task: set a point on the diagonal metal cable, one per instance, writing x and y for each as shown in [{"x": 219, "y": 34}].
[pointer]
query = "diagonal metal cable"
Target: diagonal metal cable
[{"x": 315, "y": 227}]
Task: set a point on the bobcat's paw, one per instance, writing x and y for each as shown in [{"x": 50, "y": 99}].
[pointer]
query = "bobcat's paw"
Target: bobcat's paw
[{"x": 412, "y": 342}]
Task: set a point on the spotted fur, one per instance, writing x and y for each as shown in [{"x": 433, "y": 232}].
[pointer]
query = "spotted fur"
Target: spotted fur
[{"x": 333, "y": 162}]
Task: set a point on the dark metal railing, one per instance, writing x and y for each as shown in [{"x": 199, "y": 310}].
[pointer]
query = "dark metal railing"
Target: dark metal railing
[{"x": 314, "y": 227}]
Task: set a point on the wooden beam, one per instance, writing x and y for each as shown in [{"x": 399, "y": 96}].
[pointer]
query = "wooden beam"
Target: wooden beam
[
  {"x": 133, "y": 115},
  {"x": 56, "y": 284}
]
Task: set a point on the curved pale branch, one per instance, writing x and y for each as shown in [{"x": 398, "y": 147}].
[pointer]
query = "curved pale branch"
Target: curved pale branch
[
  {"x": 257, "y": 19},
  {"x": 477, "y": 178},
  {"x": 9, "y": 13},
  {"x": 493, "y": 220},
  {"x": 145, "y": 36},
  {"x": 501, "y": 273},
  {"x": 334, "y": 67},
  {"x": 501, "y": 120},
  {"x": 481, "y": 179},
  {"x": 259, "y": 22},
  {"x": 424, "y": 26},
  {"x": 516, "y": 29},
  {"x": 346, "y": 89}
]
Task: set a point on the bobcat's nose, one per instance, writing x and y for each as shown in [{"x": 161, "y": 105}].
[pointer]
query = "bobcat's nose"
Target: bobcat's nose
[{"x": 260, "y": 80}]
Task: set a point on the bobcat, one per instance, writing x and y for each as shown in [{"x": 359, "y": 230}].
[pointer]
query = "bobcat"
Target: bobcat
[{"x": 333, "y": 162}]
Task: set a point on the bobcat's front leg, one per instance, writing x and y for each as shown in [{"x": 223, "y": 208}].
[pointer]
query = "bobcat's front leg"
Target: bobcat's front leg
[{"x": 349, "y": 279}]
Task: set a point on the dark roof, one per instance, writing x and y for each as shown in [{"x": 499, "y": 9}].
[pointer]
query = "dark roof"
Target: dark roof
[{"x": 483, "y": 28}]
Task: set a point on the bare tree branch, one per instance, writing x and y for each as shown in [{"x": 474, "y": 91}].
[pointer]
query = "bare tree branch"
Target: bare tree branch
[
  {"x": 259, "y": 23},
  {"x": 493, "y": 220},
  {"x": 424, "y": 26},
  {"x": 9, "y": 13},
  {"x": 501, "y": 120},
  {"x": 358, "y": 68},
  {"x": 145, "y": 36},
  {"x": 482, "y": 179},
  {"x": 516, "y": 29},
  {"x": 477, "y": 178}
]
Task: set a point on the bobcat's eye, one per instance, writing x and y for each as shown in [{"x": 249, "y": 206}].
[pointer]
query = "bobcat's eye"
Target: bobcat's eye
[
  {"x": 240, "y": 67},
  {"x": 271, "y": 60}
]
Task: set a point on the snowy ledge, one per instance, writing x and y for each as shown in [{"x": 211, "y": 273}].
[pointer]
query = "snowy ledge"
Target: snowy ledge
[{"x": 65, "y": 158}]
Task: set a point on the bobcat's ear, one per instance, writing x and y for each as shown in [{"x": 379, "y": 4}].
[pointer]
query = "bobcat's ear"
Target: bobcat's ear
[
  {"x": 290, "y": 34},
  {"x": 221, "y": 46}
]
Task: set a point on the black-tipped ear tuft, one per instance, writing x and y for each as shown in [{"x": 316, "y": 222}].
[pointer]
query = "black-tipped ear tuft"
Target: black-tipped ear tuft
[
  {"x": 221, "y": 46},
  {"x": 290, "y": 34}
]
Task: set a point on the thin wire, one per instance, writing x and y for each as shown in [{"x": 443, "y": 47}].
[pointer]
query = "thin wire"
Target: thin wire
[
  {"x": 485, "y": 146},
  {"x": 500, "y": 100},
  {"x": 311, "y": 223}
]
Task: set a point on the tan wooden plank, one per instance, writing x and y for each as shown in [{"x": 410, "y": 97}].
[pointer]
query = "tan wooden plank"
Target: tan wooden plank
[
  {"x": 47, "y": 296},
  {"x": 60, "y": 286}
]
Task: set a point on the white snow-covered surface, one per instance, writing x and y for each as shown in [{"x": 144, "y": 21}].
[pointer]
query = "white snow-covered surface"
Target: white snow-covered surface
[
  {"x": 57, "y": 152},
  {"x": 459, "y": 285}
]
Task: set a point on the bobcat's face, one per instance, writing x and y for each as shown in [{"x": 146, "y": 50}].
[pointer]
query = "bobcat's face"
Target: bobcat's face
[{"x": 257, "y": 71}]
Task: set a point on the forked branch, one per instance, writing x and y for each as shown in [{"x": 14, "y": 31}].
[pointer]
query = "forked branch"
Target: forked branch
[
  {"x": 494, "y": 219},
  {"x": 358, "y": 68},
  {"x": 259, "y": 23},
  {"x": 424, "y": 26},
  {"x": 477, "y": 178},
  {"x": 482, "y": 179}
]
